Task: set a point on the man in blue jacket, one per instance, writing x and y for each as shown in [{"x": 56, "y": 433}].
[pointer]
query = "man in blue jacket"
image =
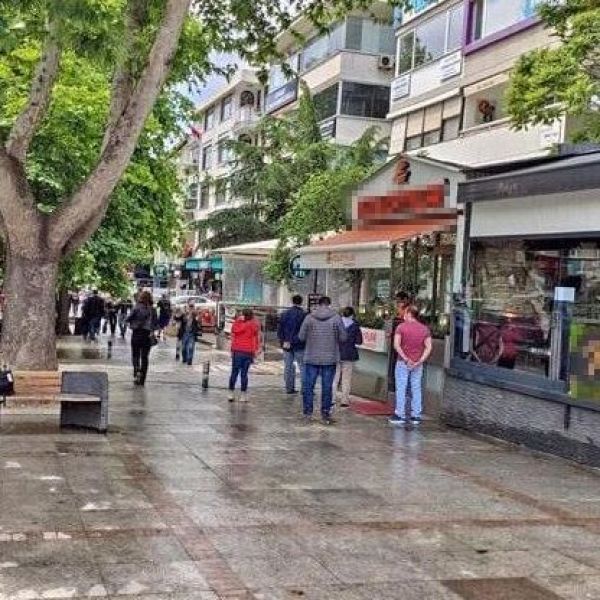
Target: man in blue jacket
[{"x": 293, "y": 349}]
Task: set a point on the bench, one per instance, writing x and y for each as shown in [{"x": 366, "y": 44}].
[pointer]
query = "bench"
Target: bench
[{"x": 82, "y": 395}]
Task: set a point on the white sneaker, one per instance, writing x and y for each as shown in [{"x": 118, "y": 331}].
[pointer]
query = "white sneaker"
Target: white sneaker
[
  {"x": 243, "y": 397},
  {"x": 231, "y": 397}
]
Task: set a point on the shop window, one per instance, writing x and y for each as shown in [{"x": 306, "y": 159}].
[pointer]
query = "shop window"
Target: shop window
[
  {"x": 209, "y": 118},
  {"x": 207, "y": 157},
  {"x": 361, "y": 100},
  {"x": 511, "y": 319},
  {"x": 430, "y": 40},
  {"x": 326, "y": 102},
  {"x": 204, "y": 197},
  {"x": 492, "y": 16},
  {"x": 226, "y": 107}
]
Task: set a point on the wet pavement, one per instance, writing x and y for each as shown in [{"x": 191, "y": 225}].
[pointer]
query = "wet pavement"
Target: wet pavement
[{"x": 190, "y": 497}]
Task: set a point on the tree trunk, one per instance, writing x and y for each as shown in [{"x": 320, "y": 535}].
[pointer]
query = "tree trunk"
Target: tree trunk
[
  {"x": 28, "y": 329},
  {"x": 64, "y": 307}
]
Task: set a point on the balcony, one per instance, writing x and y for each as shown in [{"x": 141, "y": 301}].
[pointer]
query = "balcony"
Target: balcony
[
  {"x": 496, "y": 142},
  {"x": 245, "y": 119}
]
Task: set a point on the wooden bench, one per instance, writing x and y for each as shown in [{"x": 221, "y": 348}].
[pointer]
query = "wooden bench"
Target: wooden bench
[{"x": 82, "y": 395}]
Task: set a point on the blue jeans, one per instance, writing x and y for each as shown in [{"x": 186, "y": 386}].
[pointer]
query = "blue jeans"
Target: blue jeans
[
  {"x": 404, "y": 376},
  {"x": 188, "y": 345},
  {"x": 311, "y": 374},
  {"x": 290, "y": 358},
  {"x": 240, "y": 365}
]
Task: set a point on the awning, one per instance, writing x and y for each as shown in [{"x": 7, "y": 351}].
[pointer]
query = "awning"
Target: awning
[
  {"x": 204, "y": 264},
  {"x": 367, "y": 248}
]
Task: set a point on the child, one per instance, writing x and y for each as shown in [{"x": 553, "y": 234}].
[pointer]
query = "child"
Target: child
[{"x": 245, "y": 343}]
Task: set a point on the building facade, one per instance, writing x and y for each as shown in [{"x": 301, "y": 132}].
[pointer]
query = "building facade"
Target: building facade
[
  {"x": 453, "y": 59},
  {"x": 348, "y": 71}
]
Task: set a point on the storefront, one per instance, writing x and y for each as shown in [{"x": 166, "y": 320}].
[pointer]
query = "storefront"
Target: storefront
[
  {"x": 204, "y": 274},
  {"x": 526, "y": 359},
  {"x": 403, "y": 238}
]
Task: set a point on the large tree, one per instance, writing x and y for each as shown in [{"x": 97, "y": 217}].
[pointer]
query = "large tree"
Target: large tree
[
  {"x": 563, "y": 78},
  {"x": 141, "y": 38}
]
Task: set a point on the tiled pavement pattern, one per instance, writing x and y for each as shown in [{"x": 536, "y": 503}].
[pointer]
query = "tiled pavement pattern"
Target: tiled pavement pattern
[{"x": 192, "y": 498}]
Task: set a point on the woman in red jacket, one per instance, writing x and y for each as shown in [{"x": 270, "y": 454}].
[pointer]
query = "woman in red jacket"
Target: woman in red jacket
[{"x": 245, "y": 343}]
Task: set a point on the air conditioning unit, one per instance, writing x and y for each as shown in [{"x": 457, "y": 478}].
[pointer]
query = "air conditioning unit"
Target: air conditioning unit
[{"x": 386, "y": 62}]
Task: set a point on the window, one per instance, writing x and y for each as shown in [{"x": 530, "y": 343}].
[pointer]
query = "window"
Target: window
[
  {"x": 414, "y": 142},
  {"x": 485, "y": 106},
  {"x": 207, "y": 158},
  {"x": 226, "y": 106},
  {"x": 204, "y": 197},
  {"x": 366, "y": 35},
  {"x": 450, "y": 128},
  {"x": 322, "y": 46},
  {"x": 277, "y": 76},
  {"x": 326, "y": 102},
  {"x": 432, "y": 137},
  {"x": 360, "y": 100},
  {"x": 491, "y": 16},
  {"x": 209, "y": 118},
  {"x": 220, "y": 192},
  {"x": 192, "y": 197},
  {"x": 223, "y": 152},
  {"x": 431, "y": 40},
  {"x": 511, "y": 295}
]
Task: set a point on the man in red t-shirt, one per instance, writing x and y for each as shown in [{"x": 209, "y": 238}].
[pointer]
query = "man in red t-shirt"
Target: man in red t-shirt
[{"x": 412, "y": 342}]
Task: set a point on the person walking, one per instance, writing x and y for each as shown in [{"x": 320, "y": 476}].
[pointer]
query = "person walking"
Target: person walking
[
  {"x": 348, "y": 355},
  {"x": 143, "y": 322},
  {"x": 111, "y": 316},
  {"x": 188, "y": 333},
  {"x": 293, "y": 349},
  {"x": 412, "y": 342},
  {"x": 165, "y": 312},
  {"x": 245, "y": 344},
  {"x": 123, "y": 309},
  {"x": 322, "y": 331},
  {"x": 93, "y": 309}
]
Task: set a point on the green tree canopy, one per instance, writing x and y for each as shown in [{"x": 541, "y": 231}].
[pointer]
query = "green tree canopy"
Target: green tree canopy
[{"x": 550, "y": 81}]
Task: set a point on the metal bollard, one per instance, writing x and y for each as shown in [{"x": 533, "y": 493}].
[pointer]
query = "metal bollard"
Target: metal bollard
[
  {"x": 205, "y": 374},
  {"x": 109, "y": 351}
]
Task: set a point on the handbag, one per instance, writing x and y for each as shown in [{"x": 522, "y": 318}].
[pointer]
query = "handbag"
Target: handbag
[{"x": 153, "y": 339}]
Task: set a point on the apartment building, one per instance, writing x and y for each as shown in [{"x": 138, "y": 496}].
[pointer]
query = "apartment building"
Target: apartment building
[
  {"x": 205, "y": 159},
  {"x": 453, "y": 61},
  {"x": 347, "y": 70}
]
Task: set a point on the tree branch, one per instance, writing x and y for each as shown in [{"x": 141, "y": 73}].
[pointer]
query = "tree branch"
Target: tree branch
[
  {"x": 94, "y": 194},
  {"x": 45, "y": 74},
  {"x": 124, "y": 80}
]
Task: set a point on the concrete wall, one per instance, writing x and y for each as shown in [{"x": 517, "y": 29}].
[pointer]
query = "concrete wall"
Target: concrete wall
[
  {"x": 533, "y": 422},
  {"x": 502, "y": 55}
]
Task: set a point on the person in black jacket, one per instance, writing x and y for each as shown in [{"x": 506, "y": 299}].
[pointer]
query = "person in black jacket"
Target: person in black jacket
[
  {"x": 188, "y": 333},
  {"x": 143, "y": 322},
  {"x": 348, "y": 355},
  {"x": 293, "y": 348}
]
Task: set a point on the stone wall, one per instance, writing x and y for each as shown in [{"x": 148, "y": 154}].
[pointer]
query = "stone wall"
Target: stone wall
[{"x": 551, "y": 427}]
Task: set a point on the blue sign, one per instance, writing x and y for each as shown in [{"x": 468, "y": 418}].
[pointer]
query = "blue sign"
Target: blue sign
[{"x": 296, "y": 270}]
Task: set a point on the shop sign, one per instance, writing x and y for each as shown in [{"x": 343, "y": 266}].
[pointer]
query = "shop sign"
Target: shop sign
[
  {"x": 400, "y": 87},
  {"x": 341, "y": 259},
  {"x": 374, "y": 340},
  {"x": 327, "y": 128},
  {"x": 549, "y": 135},
  {"x": 282, "y": 96},
  {"x": 296, "y": 270},
  {"x": 313, "y": 301},
  {"x": 451, "y": 65}
]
